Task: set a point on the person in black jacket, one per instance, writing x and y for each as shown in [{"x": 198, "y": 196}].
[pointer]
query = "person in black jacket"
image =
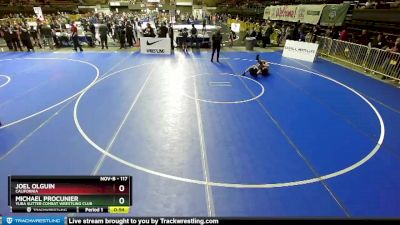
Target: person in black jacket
[
  {"x": 148, "y": 31},
  {"x": 163, "y": 31},
  {"x": 92, "y": 28},
  {"x": 7, "y": 37},
  {"x": 185, "y": 35},
  {"x": 35, "y": 37},
  {"x": 103, "y": 31},
  {"x": 171, "y": 35},
  {"x": 26, "y": 38},
  {"x": 15, "y": 38},
  {"x": 216, "y": 43},
  {"x": 122, "y": 35},
  {"x": 193, "y": 36},
  {"x": 129, "y": 34}
]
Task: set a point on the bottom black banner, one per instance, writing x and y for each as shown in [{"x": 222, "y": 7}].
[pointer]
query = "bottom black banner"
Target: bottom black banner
[
  {"x": 207, "y": 220},
  {"x": 140, "y": 221}
]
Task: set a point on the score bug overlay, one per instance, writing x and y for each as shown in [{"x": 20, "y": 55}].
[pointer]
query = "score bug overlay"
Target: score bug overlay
[{"x": 88, "y": 194}]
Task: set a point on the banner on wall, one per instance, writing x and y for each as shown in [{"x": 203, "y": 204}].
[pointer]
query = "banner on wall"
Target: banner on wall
[
  {"x": 267, "y": 13},
  {"x": 304, "y": 13},
  {"x": 334, "y": 14},
  {"x": 309, "y": 13},
  {"x": 284, "y": 12}
]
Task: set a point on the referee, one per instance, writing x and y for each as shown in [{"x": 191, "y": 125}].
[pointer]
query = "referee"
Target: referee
[{"x": 216, "y": 43}]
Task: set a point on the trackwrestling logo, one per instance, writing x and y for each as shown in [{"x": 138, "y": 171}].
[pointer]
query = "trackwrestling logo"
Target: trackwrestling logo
[{"x": 33, "y": 220}]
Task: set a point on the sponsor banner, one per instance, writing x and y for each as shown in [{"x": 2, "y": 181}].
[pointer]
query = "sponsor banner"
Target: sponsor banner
[
  {"x": 149, "y": 45},
  {"x": 284, "y": 12},
  {"x": 267, "y": 13},
  {"x": 115, "y": 3},
  {"x": 184, "y": 2},
  {"x": 309, "y": 13},
  {"x": 303, "y": 13},
  {"x": 300, "y": 50},
  {"x": 334, "y": 14},
  {"x": 13, "y": 220}
]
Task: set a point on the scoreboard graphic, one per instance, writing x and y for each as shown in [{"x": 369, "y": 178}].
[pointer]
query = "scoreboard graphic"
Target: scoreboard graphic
[{"x": 77, "y": 194}]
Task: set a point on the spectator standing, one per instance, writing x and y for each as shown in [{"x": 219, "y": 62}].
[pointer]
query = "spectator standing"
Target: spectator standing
[
  {"x": 204, "y": 25},
  {"x": 7, "y": 32},
  {"x": 122, "y": 35},
  {"x": 295, "y": 33},
  {"x": 396, "y": 47},
  {"x": 103, "y": 31},
  {"x": 35, "y": 36},
  {"x": 289, "y": 33},
  {"x": 75, "y": 38},
  {"x": 364, "y": 38},
  {"x": 282, "y": 35},
  {"x": 334, "y": 32},
  {"x": 47, "y": 34},
  {"x": 232, "y": 36},
  {"x": 381, "y": 42},
  {"x": 390, "y": 64},
  {"x": 315, "y": 33},
  {"x": 26, "y": 38},
  {"x": 171, "y": 35},
  {"x": 193, "y": 36},
  {"x": 129, "y": 34},
  {"x": 54, "y": 26},
  {"x": 92, "y": 29},
  {"x": 344, "y": 35},
  {"x": 109, "y": 27},
  {"x": 15, "y": 39}
]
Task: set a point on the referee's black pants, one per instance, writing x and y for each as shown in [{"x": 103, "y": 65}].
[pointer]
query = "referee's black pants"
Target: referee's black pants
[{"x": 218, "y": 48}]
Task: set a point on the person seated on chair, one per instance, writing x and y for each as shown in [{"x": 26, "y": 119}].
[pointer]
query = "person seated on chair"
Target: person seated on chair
[
  {"x": 261, "y": 67},
  {"x": 148, "y": 31}
]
